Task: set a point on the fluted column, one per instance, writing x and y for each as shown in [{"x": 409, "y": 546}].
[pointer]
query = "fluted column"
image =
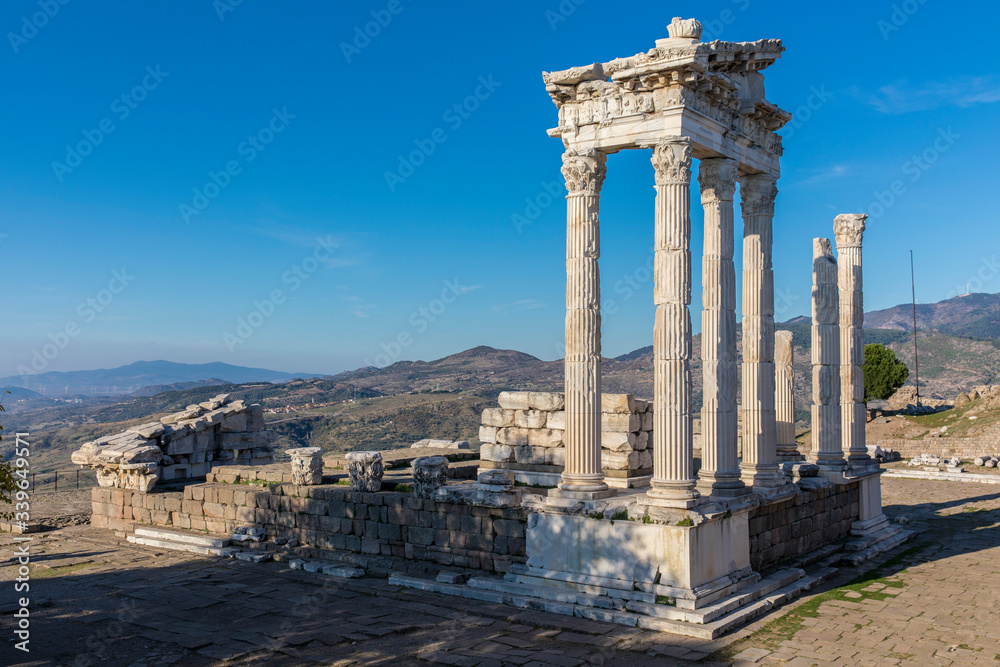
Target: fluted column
[
  {"x": 760, "y": 463},
  {"x": 720, "y": 473},
  {"x": 673, "y": 482},
  {"x": 784, "y": 397},
  {"x": 584, "y": 173},
  {"x": 826, "y": 440},
  {"x": 849, "y": 229}
]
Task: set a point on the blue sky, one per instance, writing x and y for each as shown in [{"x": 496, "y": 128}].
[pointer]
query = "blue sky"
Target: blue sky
[{"x": 245, "y": 172}]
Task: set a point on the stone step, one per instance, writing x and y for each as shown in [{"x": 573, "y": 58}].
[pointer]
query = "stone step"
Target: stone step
[
  {"x": 898, "y": 537},
  {"x": 711, "y": 612},
  {"x": 185, "y": 537},
  {"x": 226, "y": 552},
  {"x": 863, "y": 543},
  {"x": 529, "y": 597},
  {"x": 585, "y": 588},
  {"x": 564, "y": 595}
]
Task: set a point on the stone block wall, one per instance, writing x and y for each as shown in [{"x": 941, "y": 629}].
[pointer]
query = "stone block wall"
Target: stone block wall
[
  {"x": 964, "y": 448},
  {"x": 331, "y": 517},
  {"x": 793, "y": 527},
  {"x": 526, "y": 434},
  {"x": 181, "y": 445}
]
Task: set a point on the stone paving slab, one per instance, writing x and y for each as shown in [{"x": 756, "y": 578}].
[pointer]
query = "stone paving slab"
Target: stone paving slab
[{"x": 107, "y": 601}]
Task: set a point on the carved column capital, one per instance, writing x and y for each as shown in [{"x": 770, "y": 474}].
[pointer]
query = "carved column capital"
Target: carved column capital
[
  {"x": 757, "y": 194},
  {"x": 672, "y": 161},
  {"x": 849, "y": 228},
  {"x": 717, "y": 178},
  {"x": 584, "y": 171}
]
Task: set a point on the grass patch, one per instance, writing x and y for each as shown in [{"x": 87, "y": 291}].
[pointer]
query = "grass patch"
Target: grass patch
[
  {"x": 402, "y": 488},
  {"x": 663, "y": 599},
  {"x": 784, "y": 628},
  {"x": 596, "y": 515},
  {"x": 686, "y": 521},
  {"x": 620, "y": 515}
]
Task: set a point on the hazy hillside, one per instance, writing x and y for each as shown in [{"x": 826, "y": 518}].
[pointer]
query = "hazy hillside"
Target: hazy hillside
[
  {"x": 971, "y": 316},
  {"x": 125, "y": 379}
]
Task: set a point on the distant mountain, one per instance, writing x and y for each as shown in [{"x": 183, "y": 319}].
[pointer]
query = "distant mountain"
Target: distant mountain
[
  {"x": 130, "y": 378},
  {"x": 970, "y": 316}
]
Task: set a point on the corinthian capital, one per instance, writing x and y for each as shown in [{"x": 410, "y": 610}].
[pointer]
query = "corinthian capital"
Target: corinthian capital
[
  {"x": 672, "y": 161},
  {"x": 584, "y": 171},
  {"x": 849, "y": 228},
  {"x": 717, "y": 177},
  {"x": 757, "y": 193}
]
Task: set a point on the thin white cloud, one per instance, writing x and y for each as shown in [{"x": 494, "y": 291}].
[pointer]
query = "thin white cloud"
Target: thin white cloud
[
  {"x": 903, "y": 97},
  {"x": 523, "y": 304},
  {"x": 828, "y": 174}
]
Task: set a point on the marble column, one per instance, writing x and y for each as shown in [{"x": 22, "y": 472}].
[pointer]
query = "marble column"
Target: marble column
[
  {"x": 826, "y": 440},
  {"x": 784, "y": 397},
  {"x": 584, "y": 172},
  {"x": 849, "y": 228},
  {"x": 760, "y": 463},
  {"x": 673, "y": 482},
  {"x": 720, "y": 473}
]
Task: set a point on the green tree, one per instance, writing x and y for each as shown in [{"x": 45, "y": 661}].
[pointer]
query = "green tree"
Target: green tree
[{"x": 884, "y": 373}]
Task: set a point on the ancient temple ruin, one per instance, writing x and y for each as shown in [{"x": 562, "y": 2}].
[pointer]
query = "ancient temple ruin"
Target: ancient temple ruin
[{"x": 630, "y": 532}]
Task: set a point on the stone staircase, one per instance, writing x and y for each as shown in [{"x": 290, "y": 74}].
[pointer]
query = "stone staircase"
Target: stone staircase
[
  {"x": 630, "y": 607},
  {"x": 865, "y": 547}
]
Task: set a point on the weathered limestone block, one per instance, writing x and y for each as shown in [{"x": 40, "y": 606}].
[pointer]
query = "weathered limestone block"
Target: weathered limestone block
[
  {"x": 546, "y": 401},
  {"x": 215, "y": 403},
  {"x": 366, "y": 470},
  {"x": 234, "y": 423},
  {"x": 556, "y": 420},
  {"x": 620, "y": 460},
  {"x": 440, "y": 444},
  {"x": 150, "y": 430},
  {"x": 429, "y": 474},
  {"x": 307, "y": 466},
  {"x": 488, "y": 434},
  {"x": 514, "y": 437},
  {"x": 498, "y": 417},
  {"x": 514, "y": 400},
  {"x": 530, "y": 418},
  {"x": 618, "y": 403},
  {"x": 620, "y": 422},
  {"x": 497, "y": 453},
  {"x": 545, "y": 437},
  {"x": 619, "y": 441}
]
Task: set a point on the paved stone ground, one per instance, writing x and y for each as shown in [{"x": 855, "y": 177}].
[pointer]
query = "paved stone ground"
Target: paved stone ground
[{"x": 96, "y": 599}]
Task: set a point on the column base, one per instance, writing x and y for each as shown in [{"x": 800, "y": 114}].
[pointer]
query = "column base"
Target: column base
[
  {"x": 593, "y": 483},
  {"x": 574, "y": 494},
  {"x": 765, "y": 478},
  {"x": 790, "y": 456}
]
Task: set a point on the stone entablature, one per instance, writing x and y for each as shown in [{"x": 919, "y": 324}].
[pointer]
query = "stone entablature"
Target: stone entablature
[
  {"x": 710, "y": 90},
  {"x": 181, "y": 445},
  {"x": 528, "y": 431}
]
